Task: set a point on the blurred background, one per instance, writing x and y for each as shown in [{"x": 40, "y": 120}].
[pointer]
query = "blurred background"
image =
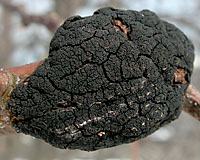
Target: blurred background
[{"x": 24, "y": 42}]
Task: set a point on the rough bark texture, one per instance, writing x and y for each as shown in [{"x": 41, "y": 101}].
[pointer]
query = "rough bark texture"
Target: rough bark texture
[{"x": 110, "y": 78}]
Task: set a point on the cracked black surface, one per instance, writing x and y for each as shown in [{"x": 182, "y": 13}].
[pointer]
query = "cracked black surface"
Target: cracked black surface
[{"x": 100, "y": 87}]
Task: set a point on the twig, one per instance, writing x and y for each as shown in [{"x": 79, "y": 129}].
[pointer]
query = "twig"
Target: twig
[
  {"x": 8, "y": 81},
  {"x": 52, "y": 22},
  {"x": 9, "y": 78},
  {"x": 192, "y": 102},
  {"x": 24, "y": 70},
  {"x": 135, "y": 151}
]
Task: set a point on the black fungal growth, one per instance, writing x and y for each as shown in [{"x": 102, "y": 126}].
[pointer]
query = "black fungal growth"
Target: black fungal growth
[{"x": 111, "y": 78}]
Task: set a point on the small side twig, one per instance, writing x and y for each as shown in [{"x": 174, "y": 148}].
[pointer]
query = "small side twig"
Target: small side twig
[{"x": 52, "y": 22}]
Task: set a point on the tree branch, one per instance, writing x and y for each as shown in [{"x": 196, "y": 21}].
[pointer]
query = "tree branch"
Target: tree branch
[
  {"x": 192, "y": 102},
  {"x": 10, "y": 78},
  {"x": 52, "y": 22}
]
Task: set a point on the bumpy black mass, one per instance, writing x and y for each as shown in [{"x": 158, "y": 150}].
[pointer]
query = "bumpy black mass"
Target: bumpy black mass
[{"x": 110, "y": 78}]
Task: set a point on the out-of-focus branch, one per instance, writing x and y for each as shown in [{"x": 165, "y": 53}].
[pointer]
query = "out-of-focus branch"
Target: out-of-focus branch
[
  {"x": 192, "y": 102},
  {"x": 184, "y": 21},
  {"x": 52, "y": 22}
]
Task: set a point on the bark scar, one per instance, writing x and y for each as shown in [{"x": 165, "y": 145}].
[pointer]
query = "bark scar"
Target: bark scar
[
  {"x": 119, "y": 26},
  {"x": 179, "y": 76}
]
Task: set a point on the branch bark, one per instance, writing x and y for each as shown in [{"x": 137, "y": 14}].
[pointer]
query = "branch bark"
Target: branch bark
[
  {"x": 192, "y": 102},
  {"x": 52, "y": 22},
  {"x": 9, "y": 78}
]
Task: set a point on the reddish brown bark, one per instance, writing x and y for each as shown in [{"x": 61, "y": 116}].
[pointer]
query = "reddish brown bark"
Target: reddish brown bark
[
  {"x": 9, "y": 78},
  {"x": 192, "y": 102},
  {"x": 27, "y": 69}
]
